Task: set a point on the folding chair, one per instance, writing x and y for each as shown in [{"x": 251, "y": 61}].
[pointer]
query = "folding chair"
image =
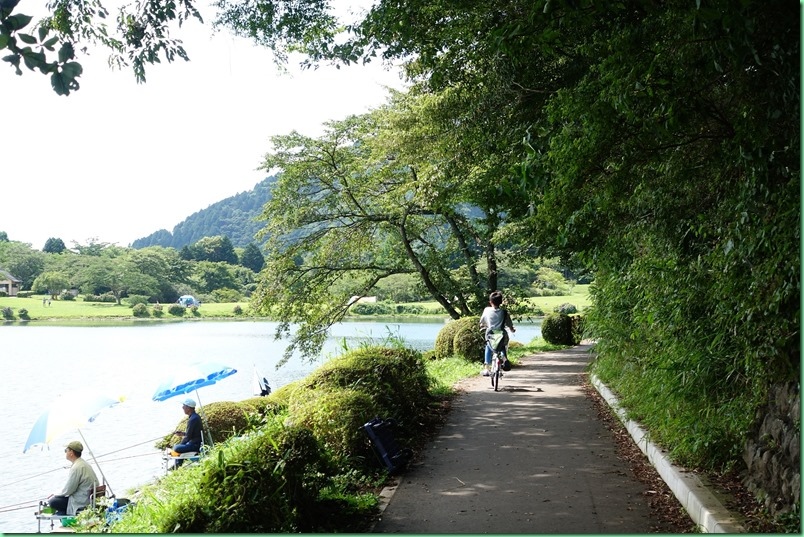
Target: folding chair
[
  {"x": 98, "y": 491},
  {"x": 172, "y": 462}
]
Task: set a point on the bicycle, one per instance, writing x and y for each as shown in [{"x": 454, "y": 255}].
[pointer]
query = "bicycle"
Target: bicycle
[{"x": 498, "y": 359}]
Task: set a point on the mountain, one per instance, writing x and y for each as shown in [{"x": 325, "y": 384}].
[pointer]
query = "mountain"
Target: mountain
[{"x": 233, "y": 217}]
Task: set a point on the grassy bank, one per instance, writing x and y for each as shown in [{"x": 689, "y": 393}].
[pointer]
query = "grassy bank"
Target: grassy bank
[
  {"x": 77, "y": 309},
  {"x": 304, "y": 450}
]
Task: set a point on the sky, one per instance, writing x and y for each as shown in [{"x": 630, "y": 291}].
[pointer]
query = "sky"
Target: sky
[{"x": 116, "y": 160}]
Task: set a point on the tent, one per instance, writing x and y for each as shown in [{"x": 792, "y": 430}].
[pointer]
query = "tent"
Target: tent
[{"x": 187, "y": 301}]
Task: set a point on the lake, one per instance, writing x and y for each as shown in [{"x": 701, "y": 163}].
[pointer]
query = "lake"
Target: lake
[{"x": 43, "y": 361}]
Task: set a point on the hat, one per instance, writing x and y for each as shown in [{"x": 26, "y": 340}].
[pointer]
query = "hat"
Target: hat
[
  {"x": 189, "y": 402},
  {"x": 76, "y": 446}
]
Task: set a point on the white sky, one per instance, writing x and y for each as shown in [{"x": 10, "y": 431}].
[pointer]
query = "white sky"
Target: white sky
[{"x": 118, "y": 160}]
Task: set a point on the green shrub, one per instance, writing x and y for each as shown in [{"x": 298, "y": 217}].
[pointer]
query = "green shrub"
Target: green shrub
[
  {"x": 566, "y": 307},
  {"x": 222, "y": 419},
  {"x": 25, "y": 294},
  {"x": 237, "y": 310},
  {"x": 140, "y": 310},
  {"x": 267, "y": 482},
  {"x": 335, "y": 416},
  {"x": 176, "y": 309},
  {"x": 3, "y": 294},
  {"x": 194, "y": 311},
  {"x": 133, "y": 300},
  {"x": 8, "y": 313},
  {"x": 443, "y": 343},
  {"x": 372, "y": 308},
  {"x": 157, "y": 310},
  {"x": 23, "y": 313},
  {"x": 578, "y": 326},
  {"x": 225, "y": 295},
  {"x": 66, "y": 295},
  {"x": 557, "y": 329},
  {"x": 105, "y": 297},
  {"x": 395, "y": 381},
  {"x": 469, "y": 339}
]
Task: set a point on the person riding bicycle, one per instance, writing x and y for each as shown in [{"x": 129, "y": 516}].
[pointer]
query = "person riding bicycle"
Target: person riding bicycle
[{"x": 494, "y": 320}]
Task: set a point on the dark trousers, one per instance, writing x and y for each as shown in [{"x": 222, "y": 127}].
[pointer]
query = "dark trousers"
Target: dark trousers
[
  {"x": 186, "y": 448},
  {"x": 59, "y": 503}
]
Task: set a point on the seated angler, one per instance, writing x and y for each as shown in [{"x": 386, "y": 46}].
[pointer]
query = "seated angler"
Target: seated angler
[{"x": 81, "y": 481}]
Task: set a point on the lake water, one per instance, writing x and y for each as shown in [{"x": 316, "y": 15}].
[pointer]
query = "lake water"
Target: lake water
[{"x": 43, "y": 361}]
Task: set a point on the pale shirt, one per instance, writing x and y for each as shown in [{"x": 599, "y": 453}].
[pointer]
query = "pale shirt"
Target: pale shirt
[
  {"x": 494, "y": 318},
  {"x": 80, "y": 483}
]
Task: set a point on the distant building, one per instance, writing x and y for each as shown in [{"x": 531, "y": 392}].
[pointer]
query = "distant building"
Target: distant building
[{"x": 9, "y": 284}]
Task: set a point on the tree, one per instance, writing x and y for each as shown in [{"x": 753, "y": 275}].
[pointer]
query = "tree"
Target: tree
[
  {"x": 54, "y": 246},
  {"x": 3, "y": 236},
  {"x": 22, "y": 261},
  {"x": 252, "y": 257},
  {"x": 141, "y": 37},
  {"x": 379, "y": 195},
  {"x": 52, "y": 283},
  {"x": 118, "y": 276}
]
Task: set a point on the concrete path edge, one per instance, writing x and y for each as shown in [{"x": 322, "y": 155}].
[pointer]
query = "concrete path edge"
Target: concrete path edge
[{"x": 705, "y": 509}]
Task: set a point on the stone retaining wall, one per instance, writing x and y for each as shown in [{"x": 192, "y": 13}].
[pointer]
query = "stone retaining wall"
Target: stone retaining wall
[{"x": 772, "y": 454}]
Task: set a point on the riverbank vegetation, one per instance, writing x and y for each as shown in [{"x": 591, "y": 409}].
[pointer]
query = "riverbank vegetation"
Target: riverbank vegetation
[{"x": 297, "y": 460}]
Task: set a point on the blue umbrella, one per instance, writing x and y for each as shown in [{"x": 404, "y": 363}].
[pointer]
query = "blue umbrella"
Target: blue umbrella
[{"x": 188, "y": 378}]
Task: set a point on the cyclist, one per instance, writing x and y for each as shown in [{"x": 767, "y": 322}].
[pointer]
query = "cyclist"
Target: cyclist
[{"x": 494, "y": 320}]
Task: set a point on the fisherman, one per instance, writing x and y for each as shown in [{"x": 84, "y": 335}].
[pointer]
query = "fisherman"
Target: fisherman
[
  {"x": 81, "y": 481},
  {"x": 192, "y": 436}
]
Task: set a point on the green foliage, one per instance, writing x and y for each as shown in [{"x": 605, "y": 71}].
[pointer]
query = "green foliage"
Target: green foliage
[
  {"x": 566, "y": 308},
  {"x": 23, "y": 313},
  {"x": 393, "y": 379},
  {"x": 133, "y": 300},
  {"x": 8, "y": 313},
  {"x": 105, "y": 297},
  {"x": 140, "y": 310},
  {"x": 252, "y": 258},
  {"x": 54, "y": 246},
  {"x": 237, "y": 310},
  {"x": 66, "y": 295},
  {"x": 557, "y": 329},
  {"x": 177, "y": 310},
  {"x": 157, "y": 310},
  {"x": 469, "y": 341},
  {"x": 444, "y": 340}
]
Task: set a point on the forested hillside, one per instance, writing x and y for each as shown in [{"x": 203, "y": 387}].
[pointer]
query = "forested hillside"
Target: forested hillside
[{"x": 233, "y": 217}]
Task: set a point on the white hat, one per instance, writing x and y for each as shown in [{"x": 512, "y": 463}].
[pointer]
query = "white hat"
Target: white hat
[{"x": 189, "y": 402}]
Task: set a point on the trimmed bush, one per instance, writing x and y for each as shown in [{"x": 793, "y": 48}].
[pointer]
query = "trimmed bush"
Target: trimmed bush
[
  {"x": 8, "y": 313},
  {"x": 566, "y": 307},
  {"x": 237, "y": 310},
  {"x": 133, "y": 300},
  {"x": 23, "y": 313},
  {"x": 394, "y": 380},
  {"x": 469, "y": 339},
  {"x": 157, "y": 310},
  {"x": 140, "y": 310},
  {"x": 177, "y": 310},
  {"x": 557, "y": 329},
  {"x": 105, "y": 297},
  {"x": 67, "y": 295},
  {"x": 443, "y": 342}
]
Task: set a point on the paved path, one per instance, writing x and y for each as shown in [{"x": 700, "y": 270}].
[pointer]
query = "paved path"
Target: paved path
[{"x": 531, "y": 458}]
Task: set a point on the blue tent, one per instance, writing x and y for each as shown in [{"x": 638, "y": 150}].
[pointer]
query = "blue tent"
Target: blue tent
[{"x": 188, "y": 300}]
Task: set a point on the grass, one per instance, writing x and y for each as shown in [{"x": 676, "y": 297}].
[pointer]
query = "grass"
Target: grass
[
  {"x": 579, "y": 296},
  {"x": 78, "y": 309}
]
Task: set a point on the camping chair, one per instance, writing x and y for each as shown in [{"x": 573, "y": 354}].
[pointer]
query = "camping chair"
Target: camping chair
[
  {"x": 98, "y": 491},
  {"x": 172, "y": 462}
]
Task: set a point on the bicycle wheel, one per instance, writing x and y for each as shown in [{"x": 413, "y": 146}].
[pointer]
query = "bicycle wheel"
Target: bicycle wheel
[{"x": 495, "y": 372}]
